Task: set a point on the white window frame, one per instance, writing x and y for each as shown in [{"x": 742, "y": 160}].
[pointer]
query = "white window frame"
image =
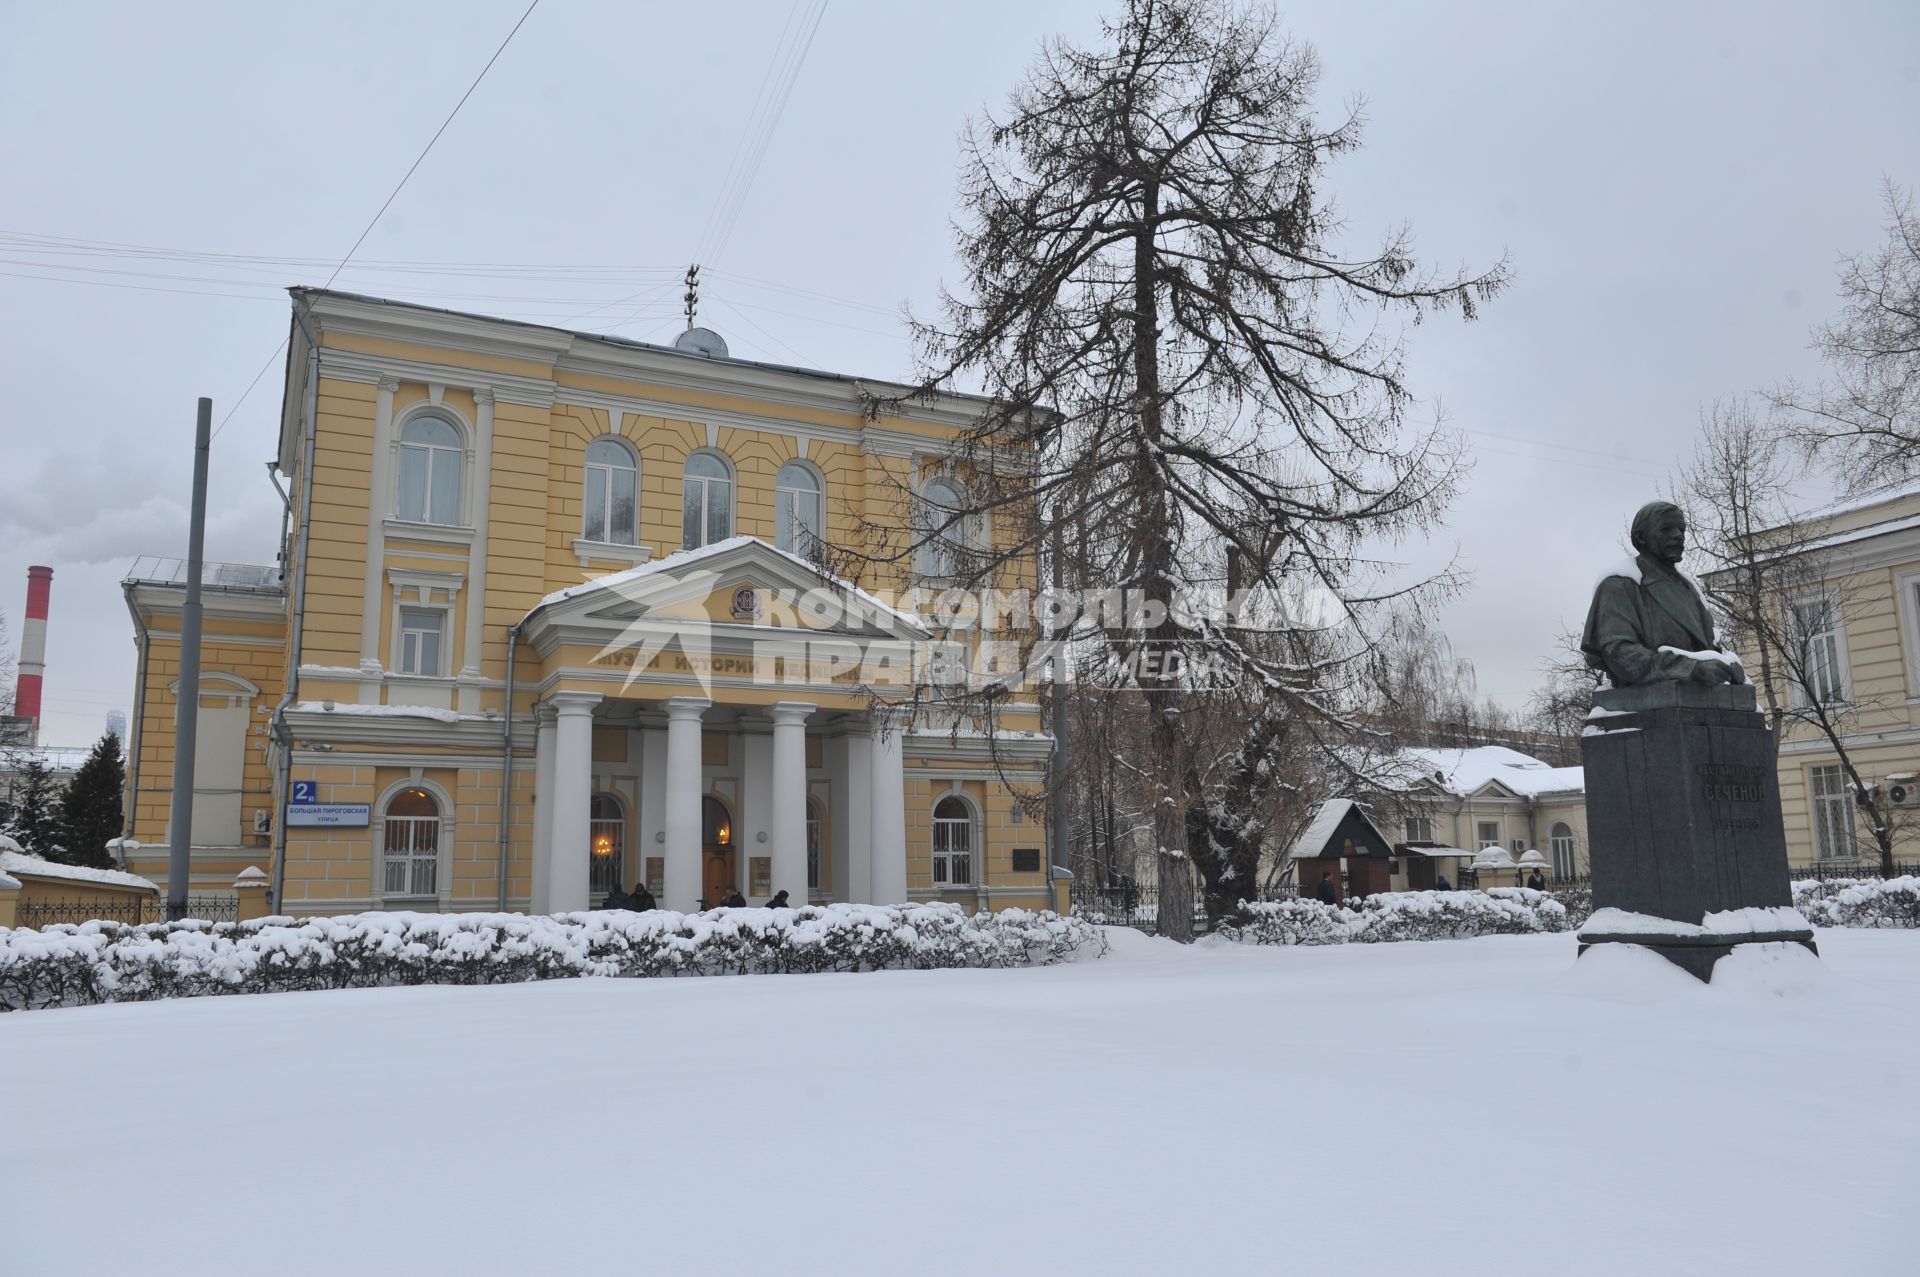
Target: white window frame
[
  {"x": 1826, "y": 811},
  {"x": 1836, "y": 634},
  {"x": 1419, "y": 827},
  {"x": 956, "y": 541},
  {"x": 1908, "y": 584},
  {"x": 786, "y": 501},
  {"x": 437, "y": 455},
  {"x": 421, "y": 872},
  {"x": 401, "y": 631},
  {"x": 707, "y": 484},
  {"x": 1563, "y": 847},
  {"x": 600, "y": 474},
  {"x": 1481, "y": 840},
  {"x": 943, "y": 859}
]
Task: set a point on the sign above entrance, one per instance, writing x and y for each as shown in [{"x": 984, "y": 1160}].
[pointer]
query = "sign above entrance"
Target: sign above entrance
[{"x": 329, "y": 815}]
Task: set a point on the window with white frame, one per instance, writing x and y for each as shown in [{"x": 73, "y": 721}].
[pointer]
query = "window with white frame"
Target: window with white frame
[
  {"x": 1832, "y": 812},
  {"x": 814, "y": 846},
  {"x": 608, "y": 502},
  {"x": 943, "y": 523},
  {"x": 952, "y": 843},
  {"x": 1817, "y": 629},
  {"x": 797, "y": 509},
  {"x": 1420, "y": 828},
  {"x": 1560, "y": 844},
  {"x": 411, "y": 843},
  {"x": 707, "y": 501},
  {"x": 423, "y": 642},
  {"x": 431, "y": 453},
  {"x": 1489, "y": 834}
]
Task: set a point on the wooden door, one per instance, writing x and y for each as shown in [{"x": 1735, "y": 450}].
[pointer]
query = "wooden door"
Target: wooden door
[{"x": 717, "y": 880}]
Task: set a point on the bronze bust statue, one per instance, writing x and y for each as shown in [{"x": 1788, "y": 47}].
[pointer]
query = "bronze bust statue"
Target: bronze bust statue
[{"x": 1648, "y": 622}]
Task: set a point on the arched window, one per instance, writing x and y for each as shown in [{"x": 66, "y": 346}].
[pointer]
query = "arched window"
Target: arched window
[
  {"x": 431, "y": 453},
  {"x": 607, "y": 505},
  {"x": 607, "y": 823},
  {"x": 815, "y": 829},
  {"x": 708, "y": 502},
  {"x": 411, "y": 842},
  {"x": 952, "y": 843},
  {"x": 1560, "y": 842},
  {"x": 944, "y": 526},
  {"x": 797, "y": 512}
]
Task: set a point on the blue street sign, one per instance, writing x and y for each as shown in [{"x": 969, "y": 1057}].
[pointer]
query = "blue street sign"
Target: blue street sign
[{"x": 305, "y": 792}]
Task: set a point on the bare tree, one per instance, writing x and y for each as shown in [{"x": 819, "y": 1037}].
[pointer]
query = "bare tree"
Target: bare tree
[
  {"x": 1558, "y": 708},
  {"x": 1777, "y": 595},
  {"x": 1866, "y": 419},
  {"x": 1189, "y": 372}
]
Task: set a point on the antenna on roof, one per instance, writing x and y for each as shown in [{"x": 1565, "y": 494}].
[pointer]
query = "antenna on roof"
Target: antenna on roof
[{"x": 692, "y": 296}]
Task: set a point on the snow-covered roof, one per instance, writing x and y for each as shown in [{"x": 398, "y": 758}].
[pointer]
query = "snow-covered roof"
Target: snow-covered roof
[
  {"x": 1467, "y": 771},
  {"x": 383, "y": 711},
  {"x": 1325, "y": 820},
  {"x": 13, "y": 861},
  {"x": 682, "y": 560},
  {"x": 1435, "y": 853}
]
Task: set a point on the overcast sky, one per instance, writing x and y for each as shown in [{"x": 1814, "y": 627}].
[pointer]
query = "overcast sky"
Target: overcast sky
[{"x": 1672, "y": 183}]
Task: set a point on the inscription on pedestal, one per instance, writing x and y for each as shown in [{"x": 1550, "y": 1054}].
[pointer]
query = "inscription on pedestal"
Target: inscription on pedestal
[{"x": 1734, "y": 793}]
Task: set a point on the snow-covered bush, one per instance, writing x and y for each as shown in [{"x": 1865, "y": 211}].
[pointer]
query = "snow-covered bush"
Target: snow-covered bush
[
  {"x": 1859, "y": 902},
  {"x": 1400, "y": 915},
  {"x": 115, "y": 962},
  {"x": 1577, "y": 901}
]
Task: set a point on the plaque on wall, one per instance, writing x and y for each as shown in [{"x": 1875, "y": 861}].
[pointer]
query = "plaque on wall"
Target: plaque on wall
[{"x": 1026, "y": 860}]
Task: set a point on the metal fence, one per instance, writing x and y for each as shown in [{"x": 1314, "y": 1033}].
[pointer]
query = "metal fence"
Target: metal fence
[
  {"x": 41, "y": 913},
  {"x": 1825, "y": 870},
  {"x": 1128, "y": 903}
]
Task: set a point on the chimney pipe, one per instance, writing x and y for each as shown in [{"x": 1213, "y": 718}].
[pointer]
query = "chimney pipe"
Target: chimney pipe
[{"x": 33, "y": 650}]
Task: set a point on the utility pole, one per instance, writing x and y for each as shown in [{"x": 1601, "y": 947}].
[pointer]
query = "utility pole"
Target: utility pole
[
  {"x": 187, "y": 706},
  {"x": 1057, "y": 852}
]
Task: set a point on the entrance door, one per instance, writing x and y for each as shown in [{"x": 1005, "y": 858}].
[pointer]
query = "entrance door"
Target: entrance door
[{"x": 717, "y": 877}]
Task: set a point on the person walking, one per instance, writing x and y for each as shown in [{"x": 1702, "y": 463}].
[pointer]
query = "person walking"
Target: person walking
[
  {"x": 1535, "y": 881},
  {"x": 1327, "y": 893},
  {"x": 734, "y": 899},
  {"x": 779, "y": 901}
]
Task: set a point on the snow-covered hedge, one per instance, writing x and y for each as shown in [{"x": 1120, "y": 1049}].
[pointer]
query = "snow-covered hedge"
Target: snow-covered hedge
[
  {"x": 1859, "y": 902},
  {"x": 1400, "y": 915},
  {"x": 116, "y": 962}
]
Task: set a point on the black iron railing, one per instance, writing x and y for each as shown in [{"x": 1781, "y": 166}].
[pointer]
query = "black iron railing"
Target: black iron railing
[{"x": 42, "y": 913}]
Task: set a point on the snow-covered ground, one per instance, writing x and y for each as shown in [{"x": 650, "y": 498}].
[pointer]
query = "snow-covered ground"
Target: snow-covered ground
[{"x": 1480, "y": 1106}]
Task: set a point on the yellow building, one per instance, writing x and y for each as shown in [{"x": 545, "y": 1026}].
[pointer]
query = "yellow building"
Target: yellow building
[
  {"x": 552, "y": 620},
  {"x": 1491, "y": 797},
  {"x": 1852, "y": 596}
]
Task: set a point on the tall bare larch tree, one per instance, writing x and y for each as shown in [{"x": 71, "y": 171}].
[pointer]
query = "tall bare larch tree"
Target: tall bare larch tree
[{"x": 1198, "y": 381}]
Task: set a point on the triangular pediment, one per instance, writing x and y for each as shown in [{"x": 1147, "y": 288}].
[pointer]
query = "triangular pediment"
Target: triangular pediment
[{"x": 742, "y": 586}]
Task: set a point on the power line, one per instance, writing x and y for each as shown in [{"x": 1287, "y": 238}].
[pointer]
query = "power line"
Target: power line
[{"x": 385, "y": 205}]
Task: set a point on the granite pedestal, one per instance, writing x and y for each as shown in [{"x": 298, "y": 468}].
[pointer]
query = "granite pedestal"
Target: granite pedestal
[{"x": 1683, "y": 820}]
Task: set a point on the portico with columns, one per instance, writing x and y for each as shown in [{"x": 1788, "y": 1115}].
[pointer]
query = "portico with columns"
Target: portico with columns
[{"x": 727, "y": 741}]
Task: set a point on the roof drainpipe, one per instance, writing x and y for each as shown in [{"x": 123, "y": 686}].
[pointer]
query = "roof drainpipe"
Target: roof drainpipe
[
  {"x": 506, "y": 764},
  {"x": 298, "y": 565}
]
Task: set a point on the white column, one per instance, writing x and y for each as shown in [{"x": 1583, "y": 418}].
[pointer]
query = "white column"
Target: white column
[
  {"x": 790, "y": 799},
  {"x": 571, "y": 833},
  {"x": 888, "y": 805},
  {"x": 542, "y": 886},
  {"x": 683, "y": 802}
]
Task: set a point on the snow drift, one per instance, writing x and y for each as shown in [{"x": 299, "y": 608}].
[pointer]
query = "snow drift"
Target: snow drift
[{"x": 115, "y": 962}]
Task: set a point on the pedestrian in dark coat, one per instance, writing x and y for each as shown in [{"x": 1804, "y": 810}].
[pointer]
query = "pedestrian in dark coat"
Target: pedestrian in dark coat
[
  {"x": 616, "y": 899},
  {"x": 1535, "y": 881},
  {"x": 1440, "y": 883},
  {"x": 779, "y": 901},
  {"x": 735, "y": 900},
  {"x": 641, "y": 900},
  {"x": 1326, "y": 891}
]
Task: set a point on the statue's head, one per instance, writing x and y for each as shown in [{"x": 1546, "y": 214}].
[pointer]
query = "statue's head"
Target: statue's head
[{"x": 1660, "y": 529}]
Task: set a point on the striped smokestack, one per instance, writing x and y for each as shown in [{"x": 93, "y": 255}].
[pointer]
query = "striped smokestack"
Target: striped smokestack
[{"x": 33, "y": 648}]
